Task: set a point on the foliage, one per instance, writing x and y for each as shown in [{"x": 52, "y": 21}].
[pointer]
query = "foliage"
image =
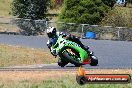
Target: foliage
[
  {"x": 129, "y": 1},
  {"x": 30, "y": 27},
  {"x": 52, "y": 4},
  {"x": 32, "y": 9},
  {"x": 109, "y": 3},
  {"x": 29, "y": 9},
  {"x": 83, "y": 11},
  {"x": 118, "y": 17},
  {"x": 55, "y": 3}
]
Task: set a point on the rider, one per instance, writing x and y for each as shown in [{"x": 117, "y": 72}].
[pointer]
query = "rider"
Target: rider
[{"x": 53, "y": 36}]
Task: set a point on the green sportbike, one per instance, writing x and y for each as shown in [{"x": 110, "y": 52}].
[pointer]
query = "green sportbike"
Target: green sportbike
[{"x": 71, "y": 52}]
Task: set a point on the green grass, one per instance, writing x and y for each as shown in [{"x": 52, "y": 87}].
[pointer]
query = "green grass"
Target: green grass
[
  {"x": 13, "y": 56},
  {"x": 64, "y": 82},
  {"x": 5, "y": 8}
]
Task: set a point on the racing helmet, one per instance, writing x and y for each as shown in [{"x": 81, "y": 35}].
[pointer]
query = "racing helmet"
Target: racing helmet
[{"x": 51, "y": 31}]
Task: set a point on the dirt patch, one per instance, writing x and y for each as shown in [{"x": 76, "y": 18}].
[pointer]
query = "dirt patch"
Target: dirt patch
[{"x": 34, "y": 76}]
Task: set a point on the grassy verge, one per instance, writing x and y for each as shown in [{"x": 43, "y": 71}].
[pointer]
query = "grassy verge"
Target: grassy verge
[
  {"x": 50, "y": 79},
  {"x": 5, "y": 8},
  {"x": 14, "y": 56},
  {"x": 9, "y": 28}
]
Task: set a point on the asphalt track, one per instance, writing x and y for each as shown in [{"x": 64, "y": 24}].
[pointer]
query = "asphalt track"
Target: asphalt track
[{"x": 111, "y": 54}]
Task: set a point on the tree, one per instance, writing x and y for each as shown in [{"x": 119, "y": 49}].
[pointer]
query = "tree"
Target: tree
[
  {"x": 32, "y": 9},
  {"x": 83, "y": 11},
  {"x": 55, "y": 3},
  {"x": 130, "y": 1},
  {"x": 109, "y": 3}
]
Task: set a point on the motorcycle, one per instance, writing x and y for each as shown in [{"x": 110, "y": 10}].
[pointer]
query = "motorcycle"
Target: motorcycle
[{"x": 71, "y": 52}]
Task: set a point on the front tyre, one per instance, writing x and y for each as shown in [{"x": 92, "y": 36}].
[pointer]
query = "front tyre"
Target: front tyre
[
  {"x": 62, "y": 63},
  {"x": 65, "y": 54}
]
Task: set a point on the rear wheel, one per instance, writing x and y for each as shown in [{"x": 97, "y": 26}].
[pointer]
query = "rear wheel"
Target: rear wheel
[{"x": 78, "y": 65}]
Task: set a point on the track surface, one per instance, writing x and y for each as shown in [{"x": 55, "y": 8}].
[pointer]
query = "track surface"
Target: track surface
[{"x": 111, "y": 54}]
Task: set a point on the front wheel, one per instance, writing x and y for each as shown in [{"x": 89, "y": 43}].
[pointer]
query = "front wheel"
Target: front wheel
[
  {"x": 94, "y": 61},
  {"x": 62, "y": 63},
  {"x": 66, "y": 55}
]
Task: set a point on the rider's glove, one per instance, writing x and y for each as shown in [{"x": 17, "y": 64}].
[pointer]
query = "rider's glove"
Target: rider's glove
[
  {"x": 87, "y": 47},
  {"x": 53, "y": 52},
  {"x": 49, "y": 44}
]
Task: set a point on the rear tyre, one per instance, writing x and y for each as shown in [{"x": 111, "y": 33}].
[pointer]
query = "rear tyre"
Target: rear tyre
[
  {"x": 94, "y": 61},
  {"x": 77, "y": 65}
]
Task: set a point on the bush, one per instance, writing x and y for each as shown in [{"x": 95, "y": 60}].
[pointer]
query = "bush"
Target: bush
[
  {"x": 32, "y": 9},
  {"x": 120, "y": 16},
  {"x": 55, "y": 3},
  {"x": 83, "y": 11},
  {"x": 109, "y": 3}
]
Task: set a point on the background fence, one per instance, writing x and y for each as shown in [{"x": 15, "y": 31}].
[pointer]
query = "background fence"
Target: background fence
[
  {"x": 38, "y": 27},
  {"x": 102, "y": 32}
]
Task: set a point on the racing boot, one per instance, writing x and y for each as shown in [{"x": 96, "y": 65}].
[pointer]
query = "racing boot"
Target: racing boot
[{"x": 89, "y": 52}]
